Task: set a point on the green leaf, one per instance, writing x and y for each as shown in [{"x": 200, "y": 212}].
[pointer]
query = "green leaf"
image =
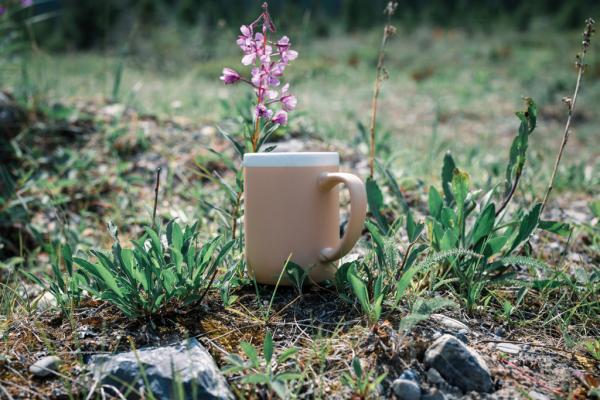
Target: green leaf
[
  {"x": 357, "y": 367},
  {"x": 560, "y": 228},
  {"x": 449, "y": 240},
  {"x": 250, "y": 352},
  {"x": 286, "y": 354},
  {"x": 460, "y": 187},
  {"x": 528, "y": 225},
  {"x": 435, "y": 202},
  {"x": 484, "y": 223},
  {"x": 392, "y": 183},
  {"x": 595, "y": 208},
  {"x": 375, "y": 232},
  {"x": 359, "y": 289},
  {"x": 447, "y": 173},
  {"x": 67, "y": 255},
  {"x": 238, "y": 146},
  {"x": 255, "y": 379},
  {"x": 375, "y": 201},
  {"x": 279, "y": 388},
  {"x": 176, "y": 237},
  {"x": 413, "y": 229},
  {"x": 268, "y": 347},
  {"x": 103, "y": 275},
  {"x": 296, "y": 274},
  {"x": 494, "y": 245},
  {"x": 288, "y": 376}
]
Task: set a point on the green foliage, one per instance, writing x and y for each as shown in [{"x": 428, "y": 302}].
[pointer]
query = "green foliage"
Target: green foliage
[
  {"x": 296, "y": 275},
  {"x": 65, "y": 286},
  {"x": 362, "y": 383},
  {"x": 375, "y": 202},
  {"x": 466, "y": 221},
  {"x": 262, "y": 371},
  {"x": 593, "y": 348},
  {"x": 518, "y": 149},
  {"x": 142, "y": 280},
  {"x": 371, "y": 307},
  {"x": 422, "y": 310}
]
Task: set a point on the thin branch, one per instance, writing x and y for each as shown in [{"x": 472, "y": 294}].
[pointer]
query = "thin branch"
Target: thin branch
[
  {"x": 570, "y": 102},
  {"x": 513, "y": 189},
  {"x": 388, "y": 31},
  {"x": 155, "y": 197}
]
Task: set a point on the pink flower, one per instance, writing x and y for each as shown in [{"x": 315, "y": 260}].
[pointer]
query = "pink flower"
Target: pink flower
[
  {"x": 230, "y": 76},
  {"x": 289, "y": 102},
  {"x": 2, "y": 10},
  {"x": 284, "y": 43},
  {"x": 280, "y": 117},
  {"x": 263, "y": 112},
  {"x": 267, "y": 61},
  {"x": 26, "y": 3}
]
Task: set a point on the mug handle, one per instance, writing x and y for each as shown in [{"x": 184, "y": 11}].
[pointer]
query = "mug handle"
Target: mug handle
[{"x": 358, "y": 211}]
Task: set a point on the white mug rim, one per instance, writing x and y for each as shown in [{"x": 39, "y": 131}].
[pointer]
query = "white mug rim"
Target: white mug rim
[{"x": 292, "y": 159}]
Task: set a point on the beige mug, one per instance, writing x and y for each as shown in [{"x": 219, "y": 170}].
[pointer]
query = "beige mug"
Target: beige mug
[{"x": 292, "y": 212}]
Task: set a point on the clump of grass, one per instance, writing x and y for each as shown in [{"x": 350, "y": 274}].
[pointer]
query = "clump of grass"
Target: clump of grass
[
  {"x": 276, "y": 373},
  {"x": 141, "y": 281}
]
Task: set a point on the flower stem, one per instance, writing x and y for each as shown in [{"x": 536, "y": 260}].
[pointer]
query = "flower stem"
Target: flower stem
[
  {"x": 589, "y": 30},
  {"x": 388, "y": 30}
]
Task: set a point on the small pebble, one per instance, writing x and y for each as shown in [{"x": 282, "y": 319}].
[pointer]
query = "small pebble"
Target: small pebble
[
  {"x": 410, "y": 375},
  {"x": 45, "y": 366},
  {"x": 405, "y": 389},
  {"x": 508, "y": 348},
  {"x": 537, "y": 395},
  {"x": 450, "y": 323}
]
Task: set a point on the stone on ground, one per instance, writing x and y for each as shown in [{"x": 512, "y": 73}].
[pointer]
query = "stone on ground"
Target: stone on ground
[
  {"x": 459, "y": 365},
  {"x": 185, "y": 370},
  {"x": 406, "y": 389},
  {"x": 45, "y": 366}
]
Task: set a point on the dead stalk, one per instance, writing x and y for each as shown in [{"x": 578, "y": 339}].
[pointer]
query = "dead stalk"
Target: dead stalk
[
  {"x": 234, "y": 216},
  {"x": 570, "y": 102},
  {"x": 155, "y": 198},
  {"x": 388, "y": 31}
]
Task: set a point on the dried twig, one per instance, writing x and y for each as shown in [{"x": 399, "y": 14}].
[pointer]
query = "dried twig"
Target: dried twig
[
  {"x": 155, "y": 197},
  {"x": 388, "y": 31},
  {"x": 570, "y": 102}
]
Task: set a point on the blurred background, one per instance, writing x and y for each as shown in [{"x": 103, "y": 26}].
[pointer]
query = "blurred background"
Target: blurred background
[{"x": 92, "y": 24}]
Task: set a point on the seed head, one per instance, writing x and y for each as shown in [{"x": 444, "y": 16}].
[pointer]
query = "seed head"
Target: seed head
[
  {"x": 390, "y": 9},
  {"x": 587, "y": 33}
]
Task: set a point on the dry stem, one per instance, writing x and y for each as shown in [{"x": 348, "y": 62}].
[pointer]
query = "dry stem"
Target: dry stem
[
  {"x": 570, "y": 102},
  {"x": 388, "y": 31}
]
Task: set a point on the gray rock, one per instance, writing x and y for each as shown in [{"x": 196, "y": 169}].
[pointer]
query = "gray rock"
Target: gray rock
[
  {"x": 459, "y": 365},
  {"x": 508, "y": 348},
  {"x": 434, "y": 377},
  {"x": 434, "y": 395},
  {"x": 186, "y": 365},
  {"x": 405, "y": 389},
  {"x": 45, "y": 366},
  {"x": 45, "y": 302}
]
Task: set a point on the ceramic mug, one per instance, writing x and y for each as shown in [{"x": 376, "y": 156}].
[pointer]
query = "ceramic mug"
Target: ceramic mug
[{"x": 292, "y": 211}]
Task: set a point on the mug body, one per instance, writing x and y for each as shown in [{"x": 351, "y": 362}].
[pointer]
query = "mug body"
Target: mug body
[{"x": 287, "y": 216}]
